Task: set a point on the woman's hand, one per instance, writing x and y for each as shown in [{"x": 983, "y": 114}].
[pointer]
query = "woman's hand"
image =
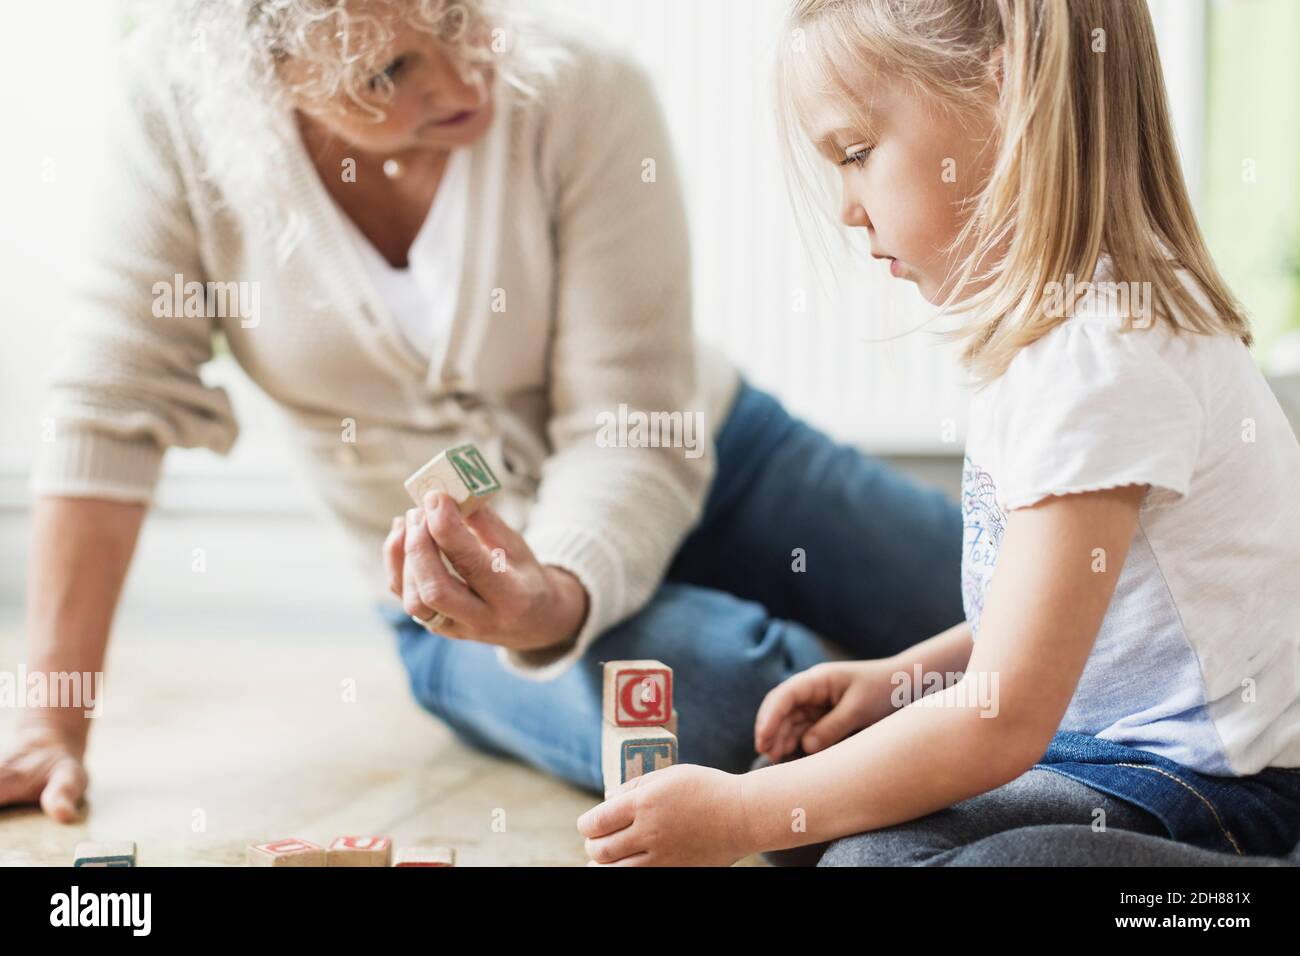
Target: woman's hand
[
  {"x": 44, "y": 765},
  {"x": 506, "y": 598},
  {"x": 679, "y": 816},
  {"x": 823, "y": 705}
]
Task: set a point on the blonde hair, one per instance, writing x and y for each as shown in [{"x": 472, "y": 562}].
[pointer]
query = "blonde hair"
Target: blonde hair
[
  {"x": 1084, "y": 161},
  {"x": 224, "y": 59}
]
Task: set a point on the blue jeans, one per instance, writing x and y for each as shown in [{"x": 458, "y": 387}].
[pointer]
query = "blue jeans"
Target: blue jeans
[
  {"x": 733, "y": 619},
  {"x": 1244, "y": 816}
]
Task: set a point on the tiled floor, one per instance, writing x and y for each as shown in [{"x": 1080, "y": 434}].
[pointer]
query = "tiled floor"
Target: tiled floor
[{"x": 212, "y": 741}]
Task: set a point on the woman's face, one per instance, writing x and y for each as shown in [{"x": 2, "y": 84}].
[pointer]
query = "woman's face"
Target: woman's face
[
  {"x": 432, "y": 106},
  {"x": 909, "y": 181}
]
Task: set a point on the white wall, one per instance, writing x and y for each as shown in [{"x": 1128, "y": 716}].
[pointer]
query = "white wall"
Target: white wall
[{"x": 52, "y": 94}]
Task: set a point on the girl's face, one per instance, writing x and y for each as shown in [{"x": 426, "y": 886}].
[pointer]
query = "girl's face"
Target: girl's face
[
  {"x": 432, "y": 106},
  {"x": 908, "y": 181}
]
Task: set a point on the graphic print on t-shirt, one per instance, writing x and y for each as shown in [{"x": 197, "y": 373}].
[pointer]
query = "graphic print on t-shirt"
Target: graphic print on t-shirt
[{"x": 983, "y": 521}]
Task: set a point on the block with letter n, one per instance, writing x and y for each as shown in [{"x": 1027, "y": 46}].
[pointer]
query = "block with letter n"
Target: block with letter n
[{"x": 461, "y": 472}]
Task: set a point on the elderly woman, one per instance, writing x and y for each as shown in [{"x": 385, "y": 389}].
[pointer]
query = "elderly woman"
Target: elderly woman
[{"x": 424, "y": 223}]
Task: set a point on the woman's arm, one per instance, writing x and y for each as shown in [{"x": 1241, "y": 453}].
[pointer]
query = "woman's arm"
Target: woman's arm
[
  {"x": 81, "y": 550},
  {"x": 1044, "y": 609},
  {"x": 126, "y": 387},
  {"x": 612, "y": 515}
]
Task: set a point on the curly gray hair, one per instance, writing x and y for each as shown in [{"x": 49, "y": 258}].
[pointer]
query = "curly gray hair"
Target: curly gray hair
[{"x": 226, "y": 58}]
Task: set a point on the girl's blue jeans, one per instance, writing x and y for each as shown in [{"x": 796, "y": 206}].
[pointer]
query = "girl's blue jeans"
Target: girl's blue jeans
[{"x": 881, "y": 560}]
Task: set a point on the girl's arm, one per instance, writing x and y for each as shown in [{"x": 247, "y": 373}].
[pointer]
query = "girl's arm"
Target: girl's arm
[
  {"x": 946, "y": 653},
  {"x": 1044, "y": 609}
]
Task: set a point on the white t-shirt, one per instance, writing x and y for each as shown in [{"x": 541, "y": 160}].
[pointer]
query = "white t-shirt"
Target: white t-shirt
[
  {"x": 422, "y": 297},
  {"x": 1198, "y": 657}
]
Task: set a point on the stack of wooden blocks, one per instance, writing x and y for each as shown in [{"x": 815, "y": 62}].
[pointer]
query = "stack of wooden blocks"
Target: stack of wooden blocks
[{"x": 639, "y": 730}]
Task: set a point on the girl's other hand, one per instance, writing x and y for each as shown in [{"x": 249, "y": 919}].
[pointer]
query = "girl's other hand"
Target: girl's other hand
[{"x": 823, "y": 705}]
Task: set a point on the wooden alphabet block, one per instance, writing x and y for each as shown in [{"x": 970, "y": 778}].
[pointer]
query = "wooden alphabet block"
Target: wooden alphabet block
[
  {"x": 461, "y": 472},
  {"x": 628, "y": 752},
  {"x": 104, "y": 854},
  {"x": 424, "y": 856},
  {"x": 291, "y": 852},
  {"x": 638, "y": 693},
  {"x": 359, "y": 851}
]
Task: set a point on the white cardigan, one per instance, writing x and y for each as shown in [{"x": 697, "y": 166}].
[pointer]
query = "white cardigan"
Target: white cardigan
[{"x": 586, "y": 264}]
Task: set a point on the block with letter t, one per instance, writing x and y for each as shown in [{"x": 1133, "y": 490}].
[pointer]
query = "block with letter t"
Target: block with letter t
[{"x": 628, "y": 752}]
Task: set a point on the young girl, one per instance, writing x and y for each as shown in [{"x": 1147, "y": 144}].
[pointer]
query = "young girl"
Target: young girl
[{"x": 1131, "y": 561}]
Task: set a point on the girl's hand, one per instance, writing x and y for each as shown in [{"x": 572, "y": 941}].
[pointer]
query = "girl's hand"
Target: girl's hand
[
  {"x": 506, "y": 598},
  {"x": 679, "y": 816},
  {"x": 44, "y": 765},
  {"x": 821, "y": 706}
]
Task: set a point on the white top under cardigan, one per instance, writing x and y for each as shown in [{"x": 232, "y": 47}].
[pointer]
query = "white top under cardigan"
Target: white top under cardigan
[
  {"x": 422, "y": 295},
  {"x": 574, "y": 298}
]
